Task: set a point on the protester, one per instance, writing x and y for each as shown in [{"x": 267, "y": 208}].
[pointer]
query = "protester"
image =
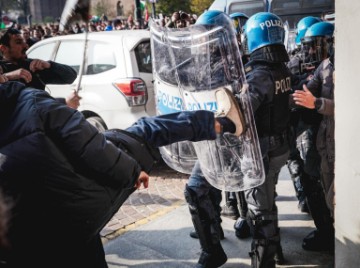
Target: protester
[
  {"x": 66, "y": 181},
  {"x": 34, "y": 73}
]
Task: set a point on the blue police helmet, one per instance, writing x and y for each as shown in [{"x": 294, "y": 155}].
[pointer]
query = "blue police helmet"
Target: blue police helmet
[
  {"x": 264, "y": 29},
  {"x": 239, "y": 19},
  {"x": 303, "y": 25},
  {"x": 211, "y": 17},
  {"x": 320, "y": 29}
]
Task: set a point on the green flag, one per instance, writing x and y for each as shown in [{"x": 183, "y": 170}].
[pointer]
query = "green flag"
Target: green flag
[{"x": 142, "y": 5}]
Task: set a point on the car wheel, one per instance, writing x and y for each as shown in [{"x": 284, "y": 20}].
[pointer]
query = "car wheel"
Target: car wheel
[{"x": 97, "y": 122}]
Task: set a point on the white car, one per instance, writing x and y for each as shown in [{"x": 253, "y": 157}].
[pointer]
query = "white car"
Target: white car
[{"x": 117, "y": 82}]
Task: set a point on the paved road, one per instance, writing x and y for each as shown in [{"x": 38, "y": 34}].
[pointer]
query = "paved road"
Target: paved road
[{"x": 152, "y": 229}]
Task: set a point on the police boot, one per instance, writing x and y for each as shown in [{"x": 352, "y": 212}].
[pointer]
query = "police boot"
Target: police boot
[
  {"x": 212, "y": 254},
  {"x": 323, "y": 238},
  {"x": 265, "y": 244},
  {"x": 242, "y": 228},
  {"x": 194, "y": 234},
  {"x": 319, "y": 241},
  {"x": 279, "y": 256},
  {"x": 230, "y": 208},
  {"x": 262, "y": 253}
]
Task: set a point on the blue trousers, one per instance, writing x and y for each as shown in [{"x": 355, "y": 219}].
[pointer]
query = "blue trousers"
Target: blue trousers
[{"x": 175, "y": 127}]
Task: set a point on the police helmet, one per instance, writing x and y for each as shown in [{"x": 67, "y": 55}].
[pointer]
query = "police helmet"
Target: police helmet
[
  {"x": 221, "y": 45},
  {"x": 264, "y": 29},
  {"x": 320, "y": 29},
  {"x": 239, "y": 19},
  {"x": 317, "y": 43},
  {"x": 303, "y": 25},
  {"x": 210, "y": 17}
]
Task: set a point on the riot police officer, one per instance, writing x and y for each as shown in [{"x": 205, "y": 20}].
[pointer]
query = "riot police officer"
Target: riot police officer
[
  {"x": 269, "y": 82},
  {"x": 296, "y": 55},
  {"x": 202, "y": 197},
  {"x": 319, "y": 39},
  {"x": 301, "y": 119}
]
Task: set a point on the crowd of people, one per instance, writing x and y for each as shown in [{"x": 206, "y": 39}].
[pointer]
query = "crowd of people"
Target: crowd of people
[
  {"x": 62, "y": 183},
  {"x": 37, "y": 32}
]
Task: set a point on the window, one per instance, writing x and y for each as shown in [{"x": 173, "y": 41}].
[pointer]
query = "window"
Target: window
[
  {"x": 143, "y": 57},
  {"x": 247, "y": 7},
  {"x": 44, "y": 52},
  {"x": 101, "y": 58},
  {"x": 71, "y": 53}
]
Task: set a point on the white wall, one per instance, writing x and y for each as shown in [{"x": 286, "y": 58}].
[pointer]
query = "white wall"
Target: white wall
[{"x": 347, "y": 133}]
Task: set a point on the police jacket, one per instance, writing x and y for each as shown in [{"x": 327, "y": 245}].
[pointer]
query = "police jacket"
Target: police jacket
[
  {"x": 269, "y": 88},
  {"x": 56, "y": 74},
  {"x": 322, "y": 85},
  {"x": 62, "y": 175}
]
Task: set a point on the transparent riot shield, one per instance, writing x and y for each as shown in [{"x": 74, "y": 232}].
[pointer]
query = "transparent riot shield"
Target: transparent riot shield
[
  {"x": 189, "y": 65},
  {"x": 180, "y": 156}
]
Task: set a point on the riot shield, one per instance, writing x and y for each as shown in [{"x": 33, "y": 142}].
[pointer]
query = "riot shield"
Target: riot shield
[{"x": 189, "y": 65}]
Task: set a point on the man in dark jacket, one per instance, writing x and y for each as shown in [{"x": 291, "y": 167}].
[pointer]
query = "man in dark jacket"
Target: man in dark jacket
[
  {"x": 269, "y": 82},
  {"x": 318, "y": 95},
  {"x": 320, "y": 37},
  {"x": 66, "y": 180},
  {"x": 34, "y": 73}
]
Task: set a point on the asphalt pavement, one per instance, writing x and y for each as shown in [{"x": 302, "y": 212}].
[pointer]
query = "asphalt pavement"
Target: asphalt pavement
[{"x": 152, "y": 229}]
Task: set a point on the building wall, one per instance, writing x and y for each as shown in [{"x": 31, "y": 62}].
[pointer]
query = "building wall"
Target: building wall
[
  {"x": 127, "y": 7},
  {"x": 40, "y": 9},
  {"x": 347, "y": 129}
]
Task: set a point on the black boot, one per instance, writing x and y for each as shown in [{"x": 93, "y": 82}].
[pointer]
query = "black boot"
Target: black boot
[
  {"x": 242, "y": 228},
  {"x": 203, "y": 218},
  {"x": 230, "y": 209},
  {"x": 262, "y": 253},
  {"x": 194, "y": 234},
  {"x": 279, "y": 256},
  {"x": 323, "y": 238},
  {"x": 212, "y": 260},
  {"x": 319, "y": 241},
  {"x": 265, "y": 247}
]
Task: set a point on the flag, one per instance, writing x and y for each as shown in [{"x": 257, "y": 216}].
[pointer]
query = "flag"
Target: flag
[
  {"x": 146, "y": 16},
  {"x": 142, "y": 5}
]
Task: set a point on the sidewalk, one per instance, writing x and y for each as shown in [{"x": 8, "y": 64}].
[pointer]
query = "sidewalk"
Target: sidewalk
[{"x": 152, "y": 229}]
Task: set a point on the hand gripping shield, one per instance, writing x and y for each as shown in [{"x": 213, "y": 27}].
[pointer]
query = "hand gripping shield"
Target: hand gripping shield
[{"x": 189, "y": 65}]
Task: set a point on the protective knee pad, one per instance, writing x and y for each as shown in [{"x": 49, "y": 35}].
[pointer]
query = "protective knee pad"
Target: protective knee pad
[{"x": 295, "y": 167}]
